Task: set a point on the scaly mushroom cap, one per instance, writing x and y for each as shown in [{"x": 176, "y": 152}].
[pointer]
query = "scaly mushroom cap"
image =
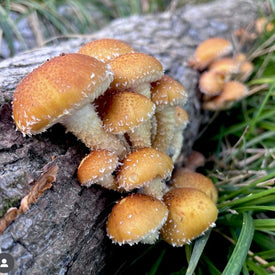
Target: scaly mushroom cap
[
  {"x": 134, "y": 69},
  {"x": 56, "y": 89},
  {"x": 225, "y": 66},
  {"x": 197, "y": 181},
  {"x": 136, "y": 218},
  {"x": 124, "y": 111},
  {"x": 208, "y": 51},
  {"x": 211, "y": 83},
  {"x": 97, "y": 165},
  {"x": 106, "y": 49},
  {"x": 168, "y": 91},
  {"x": 142, "y": 166},
  {"x": 191, "y": 213}
]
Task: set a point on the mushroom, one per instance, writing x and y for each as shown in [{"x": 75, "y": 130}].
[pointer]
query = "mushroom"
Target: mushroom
[
  {"x": 127, "y": 112},
  {"x": 226, "y": 66},
  {"x": 106, "y": 49},
  {"x": 166, "y": 94},
  {"x": 208, "y": 51},
  {"x": 232, "y": 91},
  {"x": 146, "y": 168},
  {"x": 61, "y": 90},
  {"x": 197, "y": 181},
  {"x": 194, "y": 160},
  {"x": 135, "y": 71},
  {"x": 191, "y": 213},
  {"x": 211, "y": 84},
  {"x": 97, "y": 167},
  {"x": 136, "y": 218},
  {"x": 181, "y": 120}
]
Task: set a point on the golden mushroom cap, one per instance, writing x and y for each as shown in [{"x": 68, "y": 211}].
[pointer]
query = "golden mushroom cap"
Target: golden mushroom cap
[
  {"x": 233, "y": 90},
  {"x": 191, "y": 213},
  {"x": 56, "y": 89},
  {"x": 125, "y": 110},
  {"x": 133, "y": 69},
  {"x": 168, "y": 91},
  {"x": 210, "y": 50},
  {"x": 197, "y": 181},
  {"x": 211, "y": 83},
  {"x": 142, "y": 166},
  {"x": 95, "y": 166},
  {"x": 136, "y": 218},
  {"x": 106, "y": 49},
  {"x": 225, "y": 66}
]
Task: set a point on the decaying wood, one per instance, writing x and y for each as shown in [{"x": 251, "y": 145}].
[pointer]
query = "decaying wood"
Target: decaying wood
[{"x": 64, "y": 232}]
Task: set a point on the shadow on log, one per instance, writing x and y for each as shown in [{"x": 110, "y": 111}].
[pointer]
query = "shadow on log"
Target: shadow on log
[{"x": 64, "y": 232}]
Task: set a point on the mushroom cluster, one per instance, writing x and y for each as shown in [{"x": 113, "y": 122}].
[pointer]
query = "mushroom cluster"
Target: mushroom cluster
[
  {"x": 130, "y": 115},
  {"x": 222, "y": 73}
]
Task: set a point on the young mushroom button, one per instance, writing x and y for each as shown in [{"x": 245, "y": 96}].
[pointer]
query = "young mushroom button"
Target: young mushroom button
[
  {"x": 106, "y": 49},
  {"x": 146, "y": 168},
  {"x": 191, "y": 213},
  {"x": 97, "y": 167},
  {"x": 136, "y": 218},
  {"x": 61, "y": 90}
]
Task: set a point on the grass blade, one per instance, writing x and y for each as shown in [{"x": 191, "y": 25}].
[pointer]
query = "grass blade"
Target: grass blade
[
  {"x": 239, "y": 254},
  {"x": 197, "y": 252}
]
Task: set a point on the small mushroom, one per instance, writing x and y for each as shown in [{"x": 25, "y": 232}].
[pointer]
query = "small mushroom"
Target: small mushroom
[
  {"x": 181, "y": 120},
  {"x": 166, "y": 94},
  {"x": 146, "y": 168},
  {"x": 127, "y": 112},
  {"x": 226, "y": 66},
  {"x": 197, "y": 181},
  {"x": 232, "y": 91},
  {"x": 211, "y": 84},
  {"x": 61, "y": 90},
  {"x": 208, "y": 51},
  {"x": 97, "y": 167},
  {"x": 136, "y": 218},
  {"x": 191, "y": 213},
  {"x": 246, "y": 69},
  {"x": 106, "y": 49},
  {"x": 136, "y": 72}
]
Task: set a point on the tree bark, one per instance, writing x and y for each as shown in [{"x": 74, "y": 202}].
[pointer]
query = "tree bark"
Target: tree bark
[{"x": 64, "y": 232}]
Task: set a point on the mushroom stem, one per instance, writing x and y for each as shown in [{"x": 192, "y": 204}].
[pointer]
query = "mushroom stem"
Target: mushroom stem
[
  {"x": 176, "y": 145},
  {"x": 108, "y": 182},
  {"x": 141, "y": 135},
  {"x": 88, "y": 127},
  {"x": 144, "y": 89},
  {"x": 155, "y": 188},
  {"x": 165, "y": 128}
]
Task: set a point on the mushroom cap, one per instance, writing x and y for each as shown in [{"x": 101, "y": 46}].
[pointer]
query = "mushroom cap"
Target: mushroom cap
[
  {"x": 142, "y": 166},
  {"x": 246, "y": 69},
  {"x": 181, "y": 117},
  {"x": 106, "y": 49},
  {"x": 211, "y": 83},
  {"x": 226, "y": 66},
  {"x": 134, "y": 218},
  {"x": 232, "y": 90},
  {"x": 197, "y": 181},
  {"x": 95, "y": 166},
  {"x": 208, "y": 51},
  {"x": 133, "y": 69},
  {"x": 56, "y": 89},
  {"x": 191, "y": 213},
  {"x": 168, "y": 91},
  {"x": 125, "y": 110}
]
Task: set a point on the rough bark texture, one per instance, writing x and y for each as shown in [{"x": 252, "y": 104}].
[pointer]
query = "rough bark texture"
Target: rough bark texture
[{"x": 64, "y": 232}]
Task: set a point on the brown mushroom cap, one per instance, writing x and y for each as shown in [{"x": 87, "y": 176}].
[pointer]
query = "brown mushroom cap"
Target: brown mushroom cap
[
  {"x": 142, "y": 166},
  {"x": 56, "y": 89},
  {"x": 191, "y": 213},
  {"x": 211, "y": 83},
  {"x": 225, "y": 66},
  {"x": 134, "y": 69},
  {"x": 233, "y": 90},
  {"x": 125, "y": 111},
  {"x": 208, "y": 51},
  {"x": 181, "y": 117},
  {"x": 168, "y": 91},
  {"x": 106, "y": 49},
  {"x": 197, "y": 181},
  {"x": 96, "y": 167},
  {"x": 136, "y": 218}
]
